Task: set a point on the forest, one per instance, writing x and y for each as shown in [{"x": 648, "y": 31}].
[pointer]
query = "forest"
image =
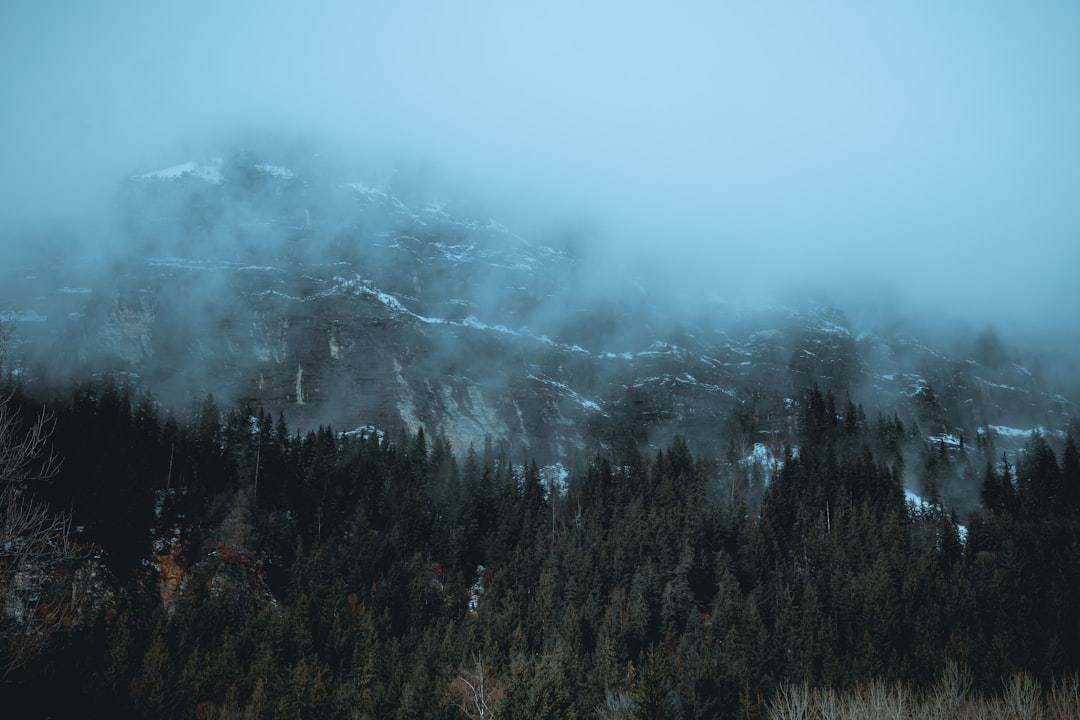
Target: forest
[{"x": 215, "y": 563}]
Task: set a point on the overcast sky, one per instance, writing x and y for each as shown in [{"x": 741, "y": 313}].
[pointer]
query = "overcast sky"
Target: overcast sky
[{"x": 932, "y": 148}]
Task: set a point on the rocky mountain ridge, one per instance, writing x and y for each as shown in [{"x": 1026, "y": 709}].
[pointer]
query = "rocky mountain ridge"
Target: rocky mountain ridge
[{"x": 339, "y": 302}]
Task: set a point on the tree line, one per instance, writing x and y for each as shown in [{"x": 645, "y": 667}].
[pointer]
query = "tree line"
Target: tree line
[{"x": 229, "y": 566}]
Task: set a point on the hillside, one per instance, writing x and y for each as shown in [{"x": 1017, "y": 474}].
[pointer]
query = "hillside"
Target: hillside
[
  {"x": 304, "y": 291},
  {"x": 292, "y": 445}
]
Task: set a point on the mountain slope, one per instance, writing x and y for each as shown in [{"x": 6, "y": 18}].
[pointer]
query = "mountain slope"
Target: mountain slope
[{"x": 341, "y": 302}]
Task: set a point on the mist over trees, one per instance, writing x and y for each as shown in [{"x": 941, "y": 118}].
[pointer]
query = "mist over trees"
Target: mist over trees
[
  {"x": 734, "y": 532},
  {"x": 705, "y": 360}
]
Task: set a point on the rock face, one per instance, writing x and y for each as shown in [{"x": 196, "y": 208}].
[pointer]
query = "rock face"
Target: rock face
[{"x": 341, "y": 303}]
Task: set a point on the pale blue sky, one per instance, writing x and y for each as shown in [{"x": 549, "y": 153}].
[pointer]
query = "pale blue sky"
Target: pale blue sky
[{"x": 930, "y": 147}]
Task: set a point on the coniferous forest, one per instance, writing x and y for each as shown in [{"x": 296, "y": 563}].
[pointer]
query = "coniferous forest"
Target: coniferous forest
[
  {"x": 215, "y": 563},
  {"x": 556, "y": 360}
]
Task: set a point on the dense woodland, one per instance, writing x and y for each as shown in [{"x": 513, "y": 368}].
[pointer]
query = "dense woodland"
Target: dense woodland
[{"x": 225, "y": 566}]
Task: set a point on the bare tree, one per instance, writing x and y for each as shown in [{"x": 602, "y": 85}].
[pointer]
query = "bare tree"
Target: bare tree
[
  {"x": 7, "y": 327},
  {"x": 950, "y": 696},
  {"x": 619, "y": 705},
  {"x": 1065, "y": 699},
  {"x": 830, "y": 706},
  {"x": 877, "y": 699},
  {"x": 474, "y": 693},
  {"x": 37, "y": 552},
  {"x": 1022, "y": 698},
  {"x": 791, "y": 702}
]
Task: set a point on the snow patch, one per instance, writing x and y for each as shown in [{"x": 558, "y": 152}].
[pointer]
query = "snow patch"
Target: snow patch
[
  {"x": 827, "y": 326},
  {"x": 275, "y": 170},
  {"x": 1000, "y": 385},
  {"x": 555, "y": 477},
  {"x": 293, "y": 298},
  {"x": 1011, "y": 432},
  {"x": 760, "y": 453},
  {"x": 456, "y": 253},
  {"x": 761, "y": 456},
  {"x": 357, "y": 286},
  {"x": 175, "y": 262},
  {"x": 477, "y": 590},
  {"x": 660, "y": 349},
  {"x": 364, "y": 431},
  {"x": 569, "y": 392},
  {"x": 917, "y": 503},
  {"x": 209, "y": 171},
  {"x": 916, "y": 500},
  {"x": 367, "y": 190}
]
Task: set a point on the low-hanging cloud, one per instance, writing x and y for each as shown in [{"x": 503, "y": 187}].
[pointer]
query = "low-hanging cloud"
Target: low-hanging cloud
[{"x": 920, "y": 158}]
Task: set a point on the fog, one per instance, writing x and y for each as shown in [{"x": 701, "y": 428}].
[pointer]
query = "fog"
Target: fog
[{"x": 919, "y": 160}]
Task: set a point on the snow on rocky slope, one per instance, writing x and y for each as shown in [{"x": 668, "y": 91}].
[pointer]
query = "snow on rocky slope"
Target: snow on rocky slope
[{"x": 340, "y": 302}]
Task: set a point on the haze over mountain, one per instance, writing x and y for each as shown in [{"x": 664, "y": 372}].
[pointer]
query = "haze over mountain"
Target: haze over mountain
[
  {"x": 298, "y": 289},
  {"x": 240, "y": 200},
  {"x": 921, "y": 160},
  {"x": 570, "y": 360}
]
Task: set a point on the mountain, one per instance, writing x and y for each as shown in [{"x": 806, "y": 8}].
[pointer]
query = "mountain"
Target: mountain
[
  {"x": 728, "y": 497},
  {"x": 302, "y": 290}
]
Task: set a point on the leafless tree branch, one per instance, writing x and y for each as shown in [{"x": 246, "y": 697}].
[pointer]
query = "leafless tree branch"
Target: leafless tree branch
[
  {"x": 474, "y": 693},
  {"x": 37, "y": 551}
]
